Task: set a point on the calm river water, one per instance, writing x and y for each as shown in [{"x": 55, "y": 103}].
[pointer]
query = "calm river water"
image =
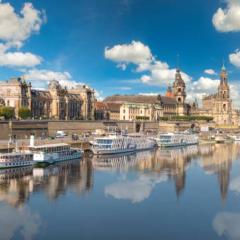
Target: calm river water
[{"x": 188, "y": 193}]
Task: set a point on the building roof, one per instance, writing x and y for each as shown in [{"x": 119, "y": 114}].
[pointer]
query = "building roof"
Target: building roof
[
  {"x": 113, "y": 107},
  {"x": 100, "y": 106},
  {"x": 156, "y": 99},
  {"x": 169, "y": 92},
  {"x": 211, "y": 96},
  {"x": 40, "y": 93}
]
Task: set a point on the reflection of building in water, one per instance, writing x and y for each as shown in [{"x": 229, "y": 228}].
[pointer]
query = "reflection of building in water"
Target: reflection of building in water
[
  {"x": 120, "y": 161},
  {"x": 14, "y": 185},
  {"x": 219, "y": 162},
  {"x": 56, "y": 179},
  {"x": 170, "y": 162},
  {"x": 17, "y": 184}
]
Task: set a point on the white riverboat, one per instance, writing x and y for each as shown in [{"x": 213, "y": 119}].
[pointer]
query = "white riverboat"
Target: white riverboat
[
  {"x": 235, "y": 138},
  {"x": 16, "y": 159},
  {"x": 176, "y": 139},
  {"x": 51, "y": 153},
  {"x": 115, "y": 144}
]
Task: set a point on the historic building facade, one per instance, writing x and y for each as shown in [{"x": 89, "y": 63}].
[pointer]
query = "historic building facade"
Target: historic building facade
[
  {"x": 219, "y": 105},
  {"x": 152, "y": 108},
  {"x": 54, "y": 103}
]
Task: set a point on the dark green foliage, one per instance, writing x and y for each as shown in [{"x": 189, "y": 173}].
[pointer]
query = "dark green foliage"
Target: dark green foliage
[
  {"x": 24, "y": 113},
  {"x": 7, "y": 112}
]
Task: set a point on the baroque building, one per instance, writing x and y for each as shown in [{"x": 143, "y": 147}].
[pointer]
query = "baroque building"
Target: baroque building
[
  {"x": 152, "y": 108},
  {"x": 56, "y": 102},
  {"x": 219, "y": 105}
]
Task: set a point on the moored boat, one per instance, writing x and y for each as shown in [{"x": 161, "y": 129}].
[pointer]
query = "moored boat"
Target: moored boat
[
  {"x": 176, "y": 139},
  {"x": 51, "y": 153},
  {"x": 235, "y": 138},
  {"x": 115, "y": 144},
  {"x": 220, "y": 139},
  {"x": 16, "y": 159}
]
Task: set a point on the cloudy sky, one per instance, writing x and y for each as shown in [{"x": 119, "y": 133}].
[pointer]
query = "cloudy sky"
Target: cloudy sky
[{"x": 122, "y": 46}]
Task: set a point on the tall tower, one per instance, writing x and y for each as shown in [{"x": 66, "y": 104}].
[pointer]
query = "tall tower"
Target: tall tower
[
  {"x": 179, "y": 88},
  {"x": 223, "y": 104},
  {"x": 179, "y": 92},
  {"x": 223, "y": 88}
]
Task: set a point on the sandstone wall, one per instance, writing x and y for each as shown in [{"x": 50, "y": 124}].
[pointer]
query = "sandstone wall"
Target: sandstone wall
[{"x": 4, "y": 130}]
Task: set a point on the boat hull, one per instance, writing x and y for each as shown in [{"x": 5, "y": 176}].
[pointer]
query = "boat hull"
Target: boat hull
[
  {"x": 112, "y": 151},
  {"x": 175, "y": 144},
  {"x": 7, "y": 165},
  {"x": 55, "y": 157}
]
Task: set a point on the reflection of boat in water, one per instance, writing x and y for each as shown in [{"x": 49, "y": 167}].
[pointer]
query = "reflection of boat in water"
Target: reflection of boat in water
[
  {"x": 120, "y": 161},
  {"x": 17, "y": 184},
  {"x": 115, "y": 144},
  {"x": 179, "y": 151},
  {"x": 176, "y": 139},
  {"x": 56, "y": 169},
  {"x": 15, "y": 173},
  {"x": 220, "y": 139}
]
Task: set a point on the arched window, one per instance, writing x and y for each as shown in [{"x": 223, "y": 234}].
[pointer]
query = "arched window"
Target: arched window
[
  {"x": 179, "y": 99},
  {"x": 224, "y": 107}
]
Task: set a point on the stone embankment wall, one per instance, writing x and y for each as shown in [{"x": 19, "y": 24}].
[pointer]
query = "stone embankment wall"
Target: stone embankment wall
[
  {"x": 4, "y": 130},
  {"x": 23, "y": 129}
]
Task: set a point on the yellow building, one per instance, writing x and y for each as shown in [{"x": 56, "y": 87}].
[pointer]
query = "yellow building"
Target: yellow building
[
  {"x": 54, "y": 103},
  {"x": 219, "y": 105},
  {"x": 140, "y": 111}
]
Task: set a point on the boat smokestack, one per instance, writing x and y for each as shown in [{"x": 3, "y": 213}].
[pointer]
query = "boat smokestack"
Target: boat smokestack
[{"x": 32, "y": 138}]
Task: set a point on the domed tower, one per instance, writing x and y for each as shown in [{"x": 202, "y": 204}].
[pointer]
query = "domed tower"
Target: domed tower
[
  {"x": 179, "y": 88},
  {"x": 223, "y": 88},
  {"x": 169, "y": 92}
]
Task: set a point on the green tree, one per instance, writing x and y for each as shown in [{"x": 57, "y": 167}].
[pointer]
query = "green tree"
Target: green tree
[
  {"x": 7, "y": 112},
  {"x": 24, "y": 113}
]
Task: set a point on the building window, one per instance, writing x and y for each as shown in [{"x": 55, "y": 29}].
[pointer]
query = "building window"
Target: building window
[
  {"x": 224, "y": 107},
  {"x": 179, "y": 90}
]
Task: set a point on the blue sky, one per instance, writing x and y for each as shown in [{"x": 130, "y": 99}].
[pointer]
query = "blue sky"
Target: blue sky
[{"x": 74, "y": 41}]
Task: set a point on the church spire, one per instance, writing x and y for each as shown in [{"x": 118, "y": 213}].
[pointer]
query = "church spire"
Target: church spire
[{"x": 223, "y": 67}]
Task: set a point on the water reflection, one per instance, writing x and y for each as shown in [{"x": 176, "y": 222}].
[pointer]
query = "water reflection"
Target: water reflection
[
  {"x": 227, "y": 224},
  {"x": 17, "y": 184},
  {"x": 193, "y": 173},
  {"x": 169, "y": 165},
  {"x": 22, "y": 220}
]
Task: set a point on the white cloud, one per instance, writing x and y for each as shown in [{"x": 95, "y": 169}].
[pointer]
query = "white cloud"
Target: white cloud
[
  {"x": 22, "y": 220},
  {"x": 15, "y": 28},
  {"x": 228, "y": 19},
  {"x": 226, "y": 224},
  {"x": 162, "y": 76},
  {"x": 19, "y": 59},
  {"x": 210, "y": 72},
  {"x": 203, "y": 86},
  {"x": 155, "y": 71},
  {"x": 40, "y": 78},
  {"x": 124, "y": 88},
  {"x": 137, "y": 190},
  {"x": 234, "y": 58},
  {"x": 135, "y": 52},
  {"x": 235, "y": 185}
]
